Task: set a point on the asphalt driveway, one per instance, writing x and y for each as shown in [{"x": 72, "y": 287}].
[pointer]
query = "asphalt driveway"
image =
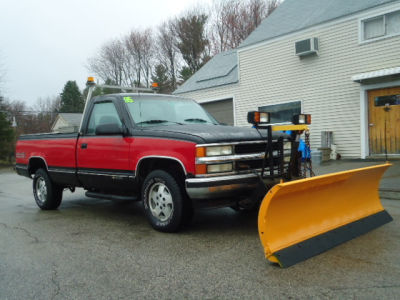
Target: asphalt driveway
[{"x": 97, "y": 249}]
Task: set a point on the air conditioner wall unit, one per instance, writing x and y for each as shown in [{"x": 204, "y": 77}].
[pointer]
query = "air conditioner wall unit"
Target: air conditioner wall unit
[{"x": 307, "y": 47}]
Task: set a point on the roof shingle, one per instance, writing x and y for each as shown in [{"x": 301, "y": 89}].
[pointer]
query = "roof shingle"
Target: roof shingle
[{"x": 295, "y": 15}]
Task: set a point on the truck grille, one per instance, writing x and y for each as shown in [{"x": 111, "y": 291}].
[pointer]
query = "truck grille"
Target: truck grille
[
  {"x": 278, "y": 165},
  {"x": 254, "y": 148},
  {"x": 250, "y": 148}
]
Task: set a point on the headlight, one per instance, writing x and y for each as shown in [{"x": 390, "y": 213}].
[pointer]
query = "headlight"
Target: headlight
[
  {"x": 302, "y": 119},
  {"x": 218, "y": 150},
  {"x": 220, "y": 168},
  {"x": 258, "y": 117}
]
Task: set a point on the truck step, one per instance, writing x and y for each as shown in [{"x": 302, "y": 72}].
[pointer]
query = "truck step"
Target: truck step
[{"x": 111, "y": 197}]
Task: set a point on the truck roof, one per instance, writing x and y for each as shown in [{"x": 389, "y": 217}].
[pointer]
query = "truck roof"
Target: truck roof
[{"x": 144, "y": 95}]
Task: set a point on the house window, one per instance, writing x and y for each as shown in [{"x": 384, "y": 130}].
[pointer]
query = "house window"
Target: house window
[
  {"x": 393, "y": 23},
  {"x": 381, "y": 26},
  {"x": 281, "y": 113},
  {"x": 387, "y": 100}
]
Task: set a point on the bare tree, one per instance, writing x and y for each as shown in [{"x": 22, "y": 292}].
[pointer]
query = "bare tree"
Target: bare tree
[
  {"x": 140, "y": 46},
  {"x": 168, "y": 53},
  {"x": 36, "y": 119},
  {"x": 234, "y": 20},
  {"x": 224, "y": 19},
  {"x": 148, "y": 54},
  {"x": 111, "y": 63},
  {"x": 47, "y": 105},
  {"x": 271, "y": 6},
  {"x": 182, "y": 45},
  {"x": 133, "y": 46},
  {"x": 46, "y": 110}
]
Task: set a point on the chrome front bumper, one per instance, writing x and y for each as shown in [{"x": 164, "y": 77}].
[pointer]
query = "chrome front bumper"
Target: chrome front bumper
[{"x": 221, "y": 186}]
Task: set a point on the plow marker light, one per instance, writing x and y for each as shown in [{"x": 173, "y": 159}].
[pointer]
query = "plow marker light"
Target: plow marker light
[{"x": 303, "y": 218}]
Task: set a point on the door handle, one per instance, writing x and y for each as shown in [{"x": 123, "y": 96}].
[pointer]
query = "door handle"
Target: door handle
[
  {"x": 83, "y": 146},
  {"x": 371, "y": 124}
]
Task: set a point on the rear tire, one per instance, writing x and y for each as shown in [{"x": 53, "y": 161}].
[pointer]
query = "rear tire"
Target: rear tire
[
  {"x": 164, "y": 202},
  {"x": 47, "y": 194}
]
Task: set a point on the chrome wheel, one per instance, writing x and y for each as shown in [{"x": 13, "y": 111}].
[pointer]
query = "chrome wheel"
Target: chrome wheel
[
  {"x": 160, "y": 201},
  {"x": 41, "y": 189}
]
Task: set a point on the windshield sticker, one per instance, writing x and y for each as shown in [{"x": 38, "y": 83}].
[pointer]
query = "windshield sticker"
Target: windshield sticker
[{"x": 128, "y": 100}]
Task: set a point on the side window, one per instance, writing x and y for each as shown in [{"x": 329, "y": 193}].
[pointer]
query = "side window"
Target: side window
[{"x": 103, "y": 113}]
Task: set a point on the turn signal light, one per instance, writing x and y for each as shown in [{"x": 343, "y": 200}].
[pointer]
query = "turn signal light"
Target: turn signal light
[
  {"x": 201, "y": 169},
  {"x": 200, "y": 152}
]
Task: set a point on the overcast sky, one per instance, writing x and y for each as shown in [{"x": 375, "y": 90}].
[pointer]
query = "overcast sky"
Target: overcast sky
[{"x": 45, "y": 43}]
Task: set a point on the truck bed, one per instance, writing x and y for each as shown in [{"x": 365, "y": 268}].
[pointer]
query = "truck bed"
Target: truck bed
[{"x": 58, "y": 150}]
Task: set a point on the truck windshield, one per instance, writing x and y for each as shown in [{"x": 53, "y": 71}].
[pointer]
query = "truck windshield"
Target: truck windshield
[{"x": 151, "y": 112}]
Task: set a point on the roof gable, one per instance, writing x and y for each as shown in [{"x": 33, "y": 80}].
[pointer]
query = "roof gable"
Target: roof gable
[
  {"x": 295, "y": 15},
  {"x": 71, "y": 118},
  {"x": 220, "y": 70}
]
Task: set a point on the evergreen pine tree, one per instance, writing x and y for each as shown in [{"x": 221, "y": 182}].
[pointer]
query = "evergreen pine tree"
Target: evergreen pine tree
[
  {"x": 160, "y": 76},
  {"x": 71, "y": 98},
  {"x": 6, "y": 133}
]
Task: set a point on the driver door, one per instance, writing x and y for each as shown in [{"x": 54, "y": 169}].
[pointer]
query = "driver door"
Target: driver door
[{"x": 103, "y": 160}]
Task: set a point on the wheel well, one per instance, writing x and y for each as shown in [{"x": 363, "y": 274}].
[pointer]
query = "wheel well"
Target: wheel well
[
  {"x": 150, "y": 164},
  {"x": 36, "y": 163}
]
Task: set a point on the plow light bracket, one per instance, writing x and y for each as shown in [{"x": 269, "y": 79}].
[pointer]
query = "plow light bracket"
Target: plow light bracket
[{"x": 257, "y": 117}]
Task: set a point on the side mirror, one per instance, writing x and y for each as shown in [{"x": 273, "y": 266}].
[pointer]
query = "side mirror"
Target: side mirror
[{"x": 109, "y": 129}]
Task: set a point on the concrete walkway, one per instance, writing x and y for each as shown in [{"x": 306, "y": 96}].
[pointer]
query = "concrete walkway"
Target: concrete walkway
[{"x": 390, "y": 183}]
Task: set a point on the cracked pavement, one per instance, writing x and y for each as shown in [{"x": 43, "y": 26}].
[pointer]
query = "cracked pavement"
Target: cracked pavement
[{"x": 97, "y": 249}]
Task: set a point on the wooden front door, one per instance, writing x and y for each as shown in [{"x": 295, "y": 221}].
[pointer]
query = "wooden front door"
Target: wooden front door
[{"x": 384, "y": 121}]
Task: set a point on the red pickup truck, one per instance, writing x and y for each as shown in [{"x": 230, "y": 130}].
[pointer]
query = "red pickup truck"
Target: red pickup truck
[{"x": 164, "y": 150}]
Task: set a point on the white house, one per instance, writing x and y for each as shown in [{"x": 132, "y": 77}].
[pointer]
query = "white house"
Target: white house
[
  {"x": 67, "y": 122},
  {"x": 349, "y": 80}
]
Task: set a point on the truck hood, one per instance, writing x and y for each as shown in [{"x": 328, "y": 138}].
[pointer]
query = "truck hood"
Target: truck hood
[{"x": 200, "y": 133}]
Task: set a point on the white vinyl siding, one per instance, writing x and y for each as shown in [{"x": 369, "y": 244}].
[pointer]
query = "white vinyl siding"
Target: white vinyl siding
[
  {"x": 211, "y": 94},
  {"x": 272, "y": 74}
]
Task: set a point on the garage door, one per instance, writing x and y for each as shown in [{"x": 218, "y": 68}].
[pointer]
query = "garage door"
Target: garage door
[{"x": 221, "y": 110}]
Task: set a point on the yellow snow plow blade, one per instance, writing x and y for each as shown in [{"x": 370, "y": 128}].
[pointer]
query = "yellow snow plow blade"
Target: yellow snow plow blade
[{"x": 302, "y": 218}]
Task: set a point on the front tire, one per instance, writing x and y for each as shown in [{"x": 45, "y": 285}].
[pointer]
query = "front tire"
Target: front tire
[
  {"x": 47, "y": 194},
  {"x": 163, "y": 201}
]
